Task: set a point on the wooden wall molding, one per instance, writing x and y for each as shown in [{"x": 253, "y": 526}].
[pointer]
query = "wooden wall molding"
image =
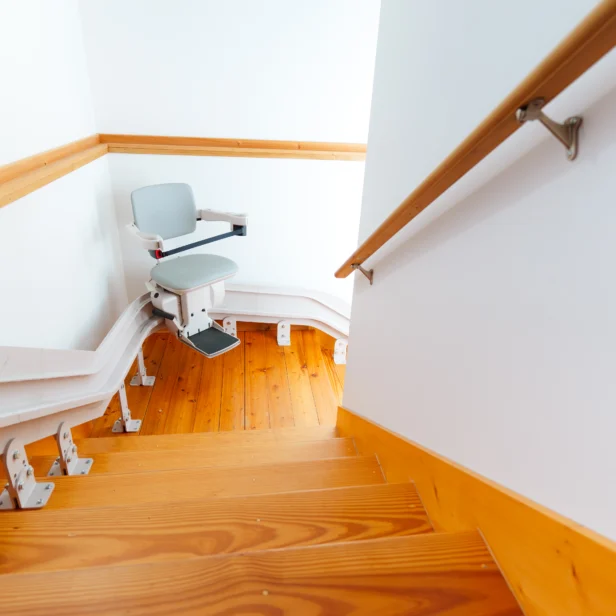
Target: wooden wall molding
[
  {"x": 553, "y": 565},
  {"x": 24, "y": 176},
  {"x": 246, "y": 148}
]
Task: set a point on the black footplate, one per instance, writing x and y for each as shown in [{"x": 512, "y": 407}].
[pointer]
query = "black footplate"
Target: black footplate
[{"x": 211, "y": 342}]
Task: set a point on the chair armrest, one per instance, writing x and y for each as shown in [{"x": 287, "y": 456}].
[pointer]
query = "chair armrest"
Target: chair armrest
[
  {"x": 239, "y": 220},
  {"x": 149, "y": 241}
]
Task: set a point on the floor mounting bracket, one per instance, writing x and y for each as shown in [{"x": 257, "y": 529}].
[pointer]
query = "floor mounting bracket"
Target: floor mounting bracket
[
  {"x": 369, "y": 274},
  {"x": 68, "y": 462},
  {"x": 229, "y": 324},
  {"x": 283, "y": 333},
  {"x": 566, "y": 133},
  {"x": 340, "y": 351},
  {"x": 125, "y": 423},
  {"x": 22, "y": 491},
  {"x": 141, "y": 378}
]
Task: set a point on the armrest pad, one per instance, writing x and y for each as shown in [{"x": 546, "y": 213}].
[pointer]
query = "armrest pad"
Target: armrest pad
[
  {"x": 149, "y": 241},
  {"x": 230, "y": 217}
]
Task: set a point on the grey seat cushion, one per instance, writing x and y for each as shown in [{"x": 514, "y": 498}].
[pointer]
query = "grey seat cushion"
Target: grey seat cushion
[{"x": 192, "y": 271}]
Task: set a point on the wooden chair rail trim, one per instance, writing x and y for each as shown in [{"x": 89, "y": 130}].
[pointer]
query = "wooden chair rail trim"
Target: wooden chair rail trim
[
  {"x": 572, "y": 570},
  {"x": 583, "y": 47},
  {"x": 24, "y": 176},
  {"x": 233, "y": 144}
]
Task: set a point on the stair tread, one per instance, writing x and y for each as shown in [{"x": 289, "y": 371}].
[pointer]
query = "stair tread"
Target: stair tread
[
  {"x": 439, "y": 573},
  {"x": 169, "y": 485},
  {"x": 65, "y": 539},
  {"x": 240, "y": 454},
  {"x": 199, "y": 439}
]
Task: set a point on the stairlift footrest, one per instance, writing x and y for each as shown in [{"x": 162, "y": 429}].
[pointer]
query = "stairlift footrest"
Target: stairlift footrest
[{"x": 211, "y": 342}]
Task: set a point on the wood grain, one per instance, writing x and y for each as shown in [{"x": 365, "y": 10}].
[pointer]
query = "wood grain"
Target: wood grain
[
  {"x": 68, "y": 539},
  {"x": 189, "y": 458},
  {"x": 17, "y": 169},
  {"x": 169, "y": 485},
  {"x": 30, "y": 181},
  {"x": 233, "y": 400},
  {"x": 324, "y": 397},
  {"x": 183, "y": 404},
  {"x": 278, "y": 392},
  {"x": 554, "y": 566},
  {"x": 209, "y": 400},
  {"x": 197, "y": 394},
  {"x": 158, "y": 408},
  {"x": 422, "y": 575},
  {"x": 251, "y": 148},
  {"x": 257, "y": 406},
  {"x": 589, "y": 42},
  {"x": 212, "y": 441},
  {"x": 302, "y": 399}
]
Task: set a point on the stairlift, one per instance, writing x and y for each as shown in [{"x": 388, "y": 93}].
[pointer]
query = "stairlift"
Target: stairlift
[{"x": 184, "y": 288}]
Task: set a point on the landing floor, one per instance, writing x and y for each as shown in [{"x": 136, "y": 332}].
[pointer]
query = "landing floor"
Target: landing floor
[{"x": 256, "y": 385}]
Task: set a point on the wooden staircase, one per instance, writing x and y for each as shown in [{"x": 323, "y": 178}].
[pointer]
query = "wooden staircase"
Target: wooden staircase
[{"x": 288, "y": 521}]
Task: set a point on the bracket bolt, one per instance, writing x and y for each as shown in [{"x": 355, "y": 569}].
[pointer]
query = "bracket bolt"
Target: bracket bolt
[
  {"x": 39, "y": 501},
  {"x": 48, "y": 486},
  {"x": 65, "y": 435},
  {"x": 29, "y": 471},
  {"x": 20, "y": 485},
  {"x": 68, "y": 459},
  {"x": 16, "y": 455},
  {"x": 74, "y": 448}
]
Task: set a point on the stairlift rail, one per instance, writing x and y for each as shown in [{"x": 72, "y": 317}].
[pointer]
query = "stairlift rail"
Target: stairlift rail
[{"x": 584, "y": 46}]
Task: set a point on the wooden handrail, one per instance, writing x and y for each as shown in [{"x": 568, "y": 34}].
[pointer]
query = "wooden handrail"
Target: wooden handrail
[{"x": 588, "y": 43}]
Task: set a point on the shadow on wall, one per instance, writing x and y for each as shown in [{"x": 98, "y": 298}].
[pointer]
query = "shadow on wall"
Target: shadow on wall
[{"x": 544, "y": 164}]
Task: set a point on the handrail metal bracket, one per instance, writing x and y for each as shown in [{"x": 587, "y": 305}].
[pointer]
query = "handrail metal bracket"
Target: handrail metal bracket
[
  {"x": 369, "y": 274},
  {"x": 566, "y": 133}
]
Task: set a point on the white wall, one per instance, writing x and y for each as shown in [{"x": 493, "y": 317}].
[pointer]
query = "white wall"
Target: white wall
[
  {"x": 270, "y": 70},
  {"x": 61, "y": 278},
  {"x": 489, "y": 334},
  {"x": 303, "y": 215},
  {"x": 45, "y": 98}
]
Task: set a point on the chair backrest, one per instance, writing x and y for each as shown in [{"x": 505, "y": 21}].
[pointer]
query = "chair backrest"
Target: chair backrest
[{"x": 167, "y": 210}]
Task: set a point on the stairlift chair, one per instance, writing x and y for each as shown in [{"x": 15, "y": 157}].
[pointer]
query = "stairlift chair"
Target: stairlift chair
[{"x": 183, "y": 289}]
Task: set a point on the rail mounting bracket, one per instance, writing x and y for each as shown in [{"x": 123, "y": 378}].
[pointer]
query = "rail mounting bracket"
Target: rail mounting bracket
[
  {"x": 369, "y": 274},
  {"x": 566, "y": 133}
]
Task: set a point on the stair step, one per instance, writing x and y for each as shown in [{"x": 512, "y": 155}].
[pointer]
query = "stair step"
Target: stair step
[
  {"x": 65, "y": 539},
  {"x": 446, "y": 574},
  {"x": 241, "y": 454},
  {"x": 200, "y": 440},
  {"x": 171, "y": 485}
]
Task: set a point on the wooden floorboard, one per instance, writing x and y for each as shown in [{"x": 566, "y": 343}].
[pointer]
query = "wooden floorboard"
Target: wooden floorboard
[
  {"x": 233, "y": 398},
  {"x": 324, "y": 396},
  {"x": 449, "y": 574},
  {"x": 256, "y": 386},
  {"x": 210, "y": 440},
  {"x": 257, "y": 406},
  {"x": 170, "y": 485},
  {"x": 185, "y": 529},
  {"x": 186, "y": 457},
  {"x": 160, "y": 400}
]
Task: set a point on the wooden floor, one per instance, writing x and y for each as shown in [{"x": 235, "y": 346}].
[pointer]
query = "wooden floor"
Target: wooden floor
[{"x": 255, "y": 386}]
